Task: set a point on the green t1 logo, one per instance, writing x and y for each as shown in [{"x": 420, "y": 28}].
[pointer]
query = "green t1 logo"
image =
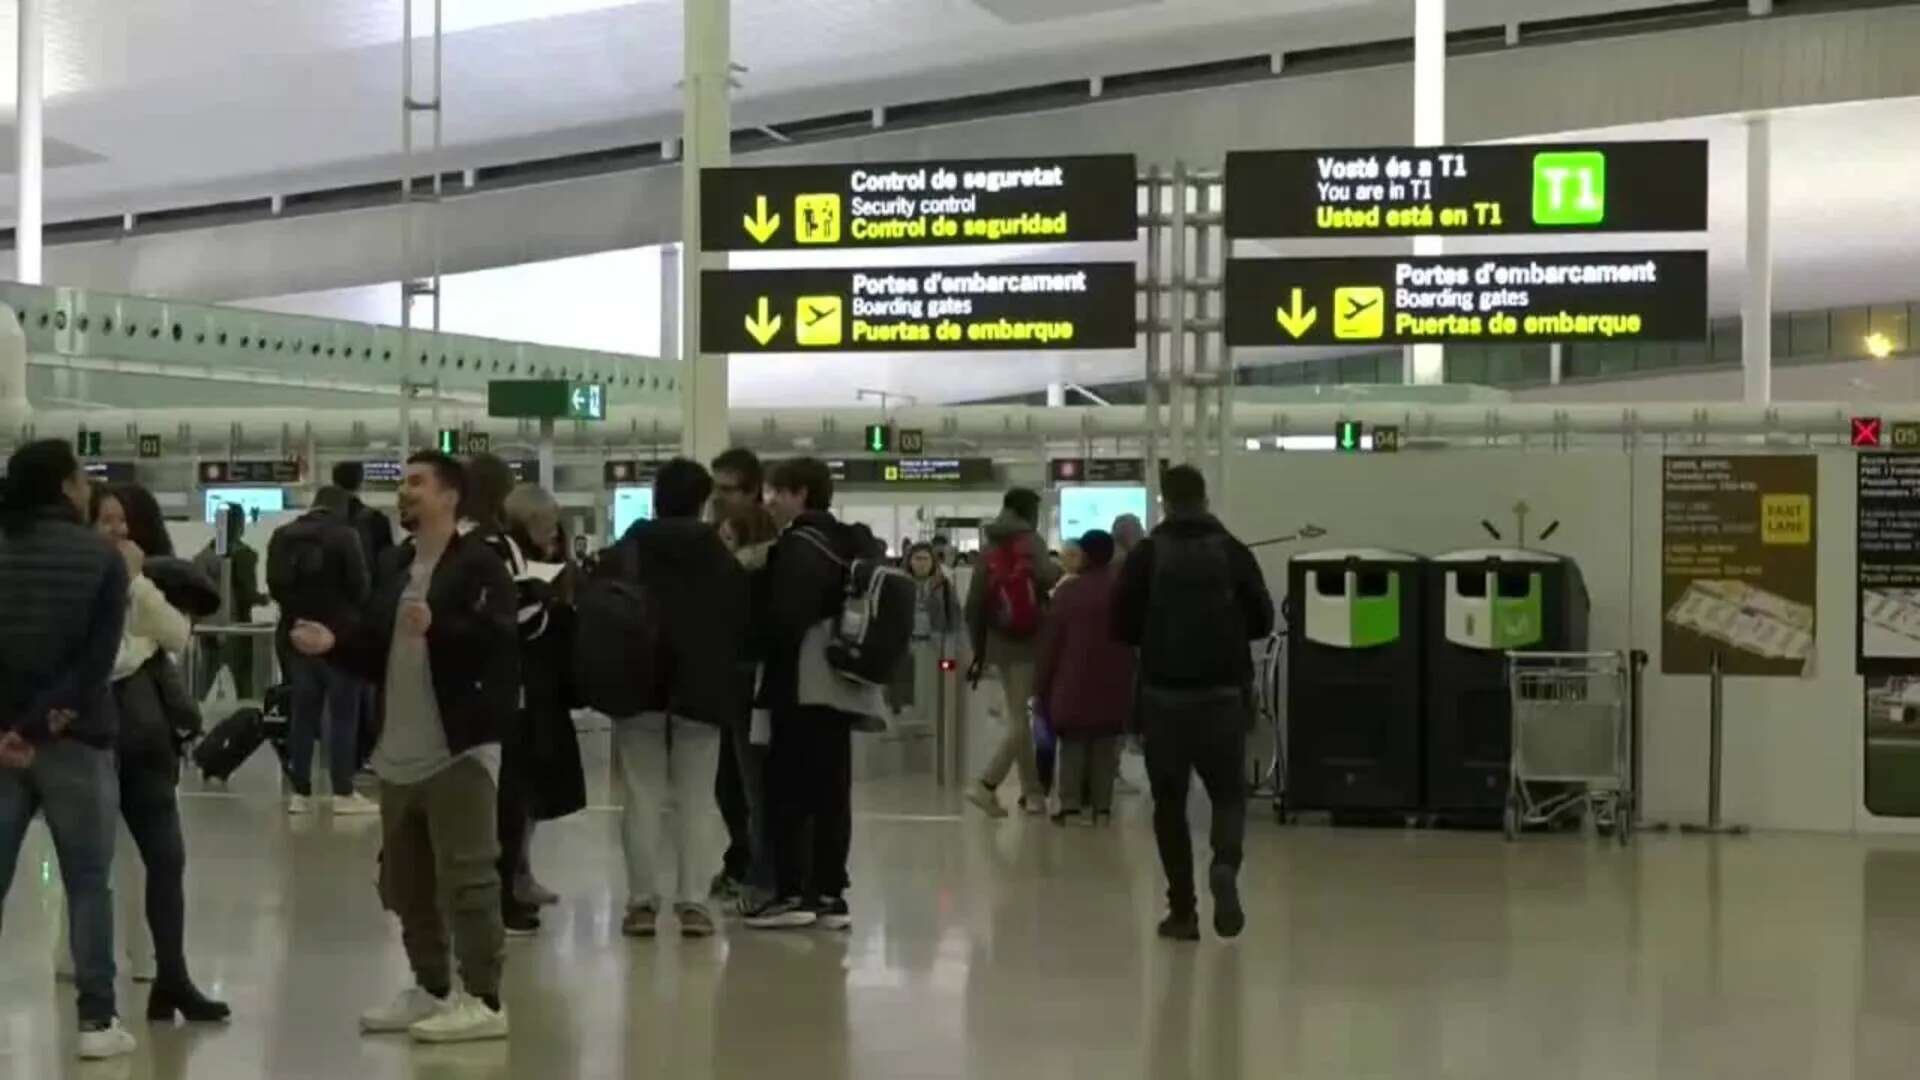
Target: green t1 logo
[{"x": 1569, "y": 188}]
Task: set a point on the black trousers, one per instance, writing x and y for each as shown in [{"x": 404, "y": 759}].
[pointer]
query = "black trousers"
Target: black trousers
[
  {"x": 810, "y": 801},
  {"x": 513, "y": 813},
  {"x": 730, "y": 792},
  {"x": 1186, "y": 733},
  {"x": 152, "y": 813}
]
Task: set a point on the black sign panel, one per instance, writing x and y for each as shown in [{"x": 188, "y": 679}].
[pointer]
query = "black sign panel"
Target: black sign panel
[
  {"x": 918, "y": 308},
  {"x": 1473, "y": 299},
  {"x": 911, "y": 471},
  {"x": 1469, "y": 190},
  {"x": 615, "y": 473},
  {"x": 1887, "y": 639},
  {"x": 110, "y": 472},
  {"x": 919, "y": 204},
  {"x": 250, "y": 472},
  {"x": 151, "y": 446},
  {"x": 1098, "y": 470}
]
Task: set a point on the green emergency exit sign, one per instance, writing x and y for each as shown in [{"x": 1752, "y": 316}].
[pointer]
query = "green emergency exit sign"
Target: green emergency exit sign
[{"x": 546, "y": 399}]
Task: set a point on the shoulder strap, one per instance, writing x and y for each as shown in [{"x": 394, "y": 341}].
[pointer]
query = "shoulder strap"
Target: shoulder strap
[{"x": 819, "y": 540}]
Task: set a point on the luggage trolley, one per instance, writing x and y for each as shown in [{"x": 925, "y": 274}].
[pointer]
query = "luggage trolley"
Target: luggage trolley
[{"x": 1572, "y": 740}]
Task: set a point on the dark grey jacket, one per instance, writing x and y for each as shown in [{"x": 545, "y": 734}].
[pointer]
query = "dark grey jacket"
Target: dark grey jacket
[{"x": 63, "y": 589}]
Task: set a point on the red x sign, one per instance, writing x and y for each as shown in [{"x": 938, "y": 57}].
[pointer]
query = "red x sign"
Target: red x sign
[{"x": 1866, "y": 431}]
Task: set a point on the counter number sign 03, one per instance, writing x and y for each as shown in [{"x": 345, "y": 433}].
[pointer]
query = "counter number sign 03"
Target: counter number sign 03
[{"x": 910, "y": 441}]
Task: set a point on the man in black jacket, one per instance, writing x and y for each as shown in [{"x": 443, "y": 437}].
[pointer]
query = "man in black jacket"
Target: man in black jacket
[
  {"x": 810, "y": 759},
  {"x": 738, "y": 487},
  {"x": 64, "y": 592},
  {"x": 668, "y": 753},
  {"x": 375, "y": 531},
  {"x": 438, "y": 637},
  {"x": 317, "y": 570},
  {"x": 1190, "y": 598}
]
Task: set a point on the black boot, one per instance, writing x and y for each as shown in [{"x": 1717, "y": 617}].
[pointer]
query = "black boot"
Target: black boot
[
  {"x": 1180, "y": 926},
  {"x": 186, "y": 999}
]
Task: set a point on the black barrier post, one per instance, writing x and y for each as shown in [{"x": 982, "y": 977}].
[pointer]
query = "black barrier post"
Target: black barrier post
[{"x": 1716, "y": 701}]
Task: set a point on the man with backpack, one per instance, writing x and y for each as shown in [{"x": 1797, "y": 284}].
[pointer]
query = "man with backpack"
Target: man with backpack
[
  {"x": 317, "y": 570},
  {"x": 809, "y": 769},
  {"x": 1190, "y": 598},
  {"x": 684, "y": 624},
  {"x": 374, "y": 528},
  {"x": 1006, "y": 602}
]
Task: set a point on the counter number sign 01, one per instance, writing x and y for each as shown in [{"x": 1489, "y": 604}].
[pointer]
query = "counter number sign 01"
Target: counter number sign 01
[{"x": 151, "y": 446}]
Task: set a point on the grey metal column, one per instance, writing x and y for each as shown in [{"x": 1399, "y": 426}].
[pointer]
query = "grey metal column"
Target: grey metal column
[
  {"x": 1154, "y": 216},
  {"x": 1756, "y": 305},
  {"x": 413, "y": 284},
  {"x": 707, "y": 122},
  {"x": 1177, "y": 319},
  {"x": 30, "y": 29}
]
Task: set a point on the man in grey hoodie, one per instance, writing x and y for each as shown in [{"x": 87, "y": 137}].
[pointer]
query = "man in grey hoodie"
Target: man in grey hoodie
[{"x": 1005, "y": 600}]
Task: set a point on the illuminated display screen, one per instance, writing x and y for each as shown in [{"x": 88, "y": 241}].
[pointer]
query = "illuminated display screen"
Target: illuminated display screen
[
  {"x": 257, "y": 501},
  {"x": 1086, "y": 508},
  {"x": 919, "y": 203},
  {"x": 631, "y": 503},
  {"x": 1469, "y": 190},
  {"x": 1483, "y": 299},
  {"x": 919, "y": 309}
]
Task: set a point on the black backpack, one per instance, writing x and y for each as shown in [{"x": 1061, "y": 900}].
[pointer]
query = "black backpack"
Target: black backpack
[
  {"x": 297, "y": 571},
  {"x": 1196, "y": 631},
  {"x": 620, "y": 654},
  {"x": 874, "y": 629}
]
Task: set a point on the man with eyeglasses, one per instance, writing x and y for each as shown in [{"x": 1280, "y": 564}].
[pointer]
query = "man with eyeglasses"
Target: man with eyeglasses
[{"x": 737, "y": 483}]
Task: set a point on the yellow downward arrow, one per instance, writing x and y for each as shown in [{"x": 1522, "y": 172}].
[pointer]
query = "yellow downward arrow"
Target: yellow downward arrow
[
  {"x": 760, "y": 226},
  {"x": 1294, "y": 321},
  {"x": 763, "y": 326}
]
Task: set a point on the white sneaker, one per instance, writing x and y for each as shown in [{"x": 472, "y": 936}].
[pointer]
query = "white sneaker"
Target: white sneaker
[
  {"x": 467, "y": 1019},
  {"x": 111, "y": 1041},
  {"x": 299, "y": 804},
  {"x": 408, "y": 1008},
  {"x": 354, "y": 805}
]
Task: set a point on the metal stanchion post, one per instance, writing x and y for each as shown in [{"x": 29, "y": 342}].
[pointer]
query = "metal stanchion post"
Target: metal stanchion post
[{"x": 1716, "y": 700}]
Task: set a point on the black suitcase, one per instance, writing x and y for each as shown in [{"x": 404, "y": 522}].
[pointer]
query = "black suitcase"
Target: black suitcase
[{"x": 231, "y": 742}]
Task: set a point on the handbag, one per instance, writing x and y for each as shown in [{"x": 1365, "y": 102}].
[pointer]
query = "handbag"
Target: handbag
[{"x": 176, "y": 701}]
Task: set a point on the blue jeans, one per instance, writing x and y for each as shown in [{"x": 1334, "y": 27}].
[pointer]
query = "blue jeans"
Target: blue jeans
[
  {"x": 75, "y": 786},
  {"x": 317, "y": 689}
]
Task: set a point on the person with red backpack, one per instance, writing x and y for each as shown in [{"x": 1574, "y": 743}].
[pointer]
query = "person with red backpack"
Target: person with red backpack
[{"x": 1006, "y": 601}]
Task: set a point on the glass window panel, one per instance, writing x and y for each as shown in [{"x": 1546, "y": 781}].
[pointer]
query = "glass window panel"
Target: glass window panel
[
  {"x": 1725, "y": 335},
  {"x": 1891, "y": 320},
  {"x": 1781, "y": 338},
  {"x": 1809, "y": 334},
  {"x": 1851, "y": 325},
  {"x": 1466, "y": 364},
  {"x": 1360, "y": 369},
  {"x": 1580, "y": 361}
]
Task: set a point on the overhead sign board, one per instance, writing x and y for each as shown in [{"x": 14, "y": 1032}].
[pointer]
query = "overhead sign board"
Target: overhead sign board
[
  {"x": 615, "y": 473},
  {"x": 1468, "y": 190},
  {"x": 919, "y": 203},
  {"x": 919, "y": 308},
  {"x": 1098, "y": 470},
  {"x": 1472, "y": 299},
  {"x": 546, "y": 399},
  {"x": 911, "y": 471},
  {"x": 250, "y": 472}
]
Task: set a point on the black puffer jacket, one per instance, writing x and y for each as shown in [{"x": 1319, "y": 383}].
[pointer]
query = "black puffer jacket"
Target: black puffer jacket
[
  {"x": 803, "y": 586},
  {"x": 702, "y": 594}
]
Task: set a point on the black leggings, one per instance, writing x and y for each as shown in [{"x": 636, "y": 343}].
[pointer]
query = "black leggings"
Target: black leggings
[{"x": 152, "y": 813}]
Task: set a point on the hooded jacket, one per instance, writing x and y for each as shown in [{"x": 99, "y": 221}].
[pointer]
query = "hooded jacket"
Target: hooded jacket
[
  {"x": 702, "y": 593},
  {"x": 989, "y": 645}
]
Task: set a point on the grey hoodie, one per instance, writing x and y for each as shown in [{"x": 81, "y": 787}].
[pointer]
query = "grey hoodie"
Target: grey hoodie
[{"x": 989, "y": 645}]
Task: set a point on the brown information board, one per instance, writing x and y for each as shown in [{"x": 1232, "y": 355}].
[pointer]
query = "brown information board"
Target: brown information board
[{"x": 1738, "y": 563}]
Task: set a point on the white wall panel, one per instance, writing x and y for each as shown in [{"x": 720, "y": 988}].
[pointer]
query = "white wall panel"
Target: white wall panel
[{"x": 1764, "y": 63}]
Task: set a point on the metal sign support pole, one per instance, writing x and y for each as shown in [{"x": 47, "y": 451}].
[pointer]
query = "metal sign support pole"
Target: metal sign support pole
[
  {"x": 1155, "y": 279},
  {"x": 1716, "y": 700},
  {"x": 1177, "y": 320}
]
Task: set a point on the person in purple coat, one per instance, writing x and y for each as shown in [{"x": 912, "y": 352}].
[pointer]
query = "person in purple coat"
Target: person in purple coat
[{"x": 1085, "y": 679}]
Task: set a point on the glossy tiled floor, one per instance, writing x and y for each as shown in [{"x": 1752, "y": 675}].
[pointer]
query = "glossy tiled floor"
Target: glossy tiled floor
[{"x": 1018, "y": 950}]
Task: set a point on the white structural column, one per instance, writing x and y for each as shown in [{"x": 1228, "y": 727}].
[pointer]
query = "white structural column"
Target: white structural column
[
  {"x": 708, "y": 122},
  {"x": 1756, "y": 307},
  {"x": 1426, "y": 364},
  {"x": 1056, "y": 395},
  {"x": 31, "y": 28}
]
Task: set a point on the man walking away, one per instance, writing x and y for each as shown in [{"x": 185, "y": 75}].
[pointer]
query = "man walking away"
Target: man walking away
[
  {"x": 373, "y": 527},
  {"x": 738, "y": 485},
  {"x": 317, "y": 571},
  {"x": 438, "y": 633},
  {"x": 810, "y": 761},
  {"x": 64, "y": 590},
  {"x": 1190, "y": 598},
  {"x": 1005, "y": 603},
  {"x": 697, "y": 595}
]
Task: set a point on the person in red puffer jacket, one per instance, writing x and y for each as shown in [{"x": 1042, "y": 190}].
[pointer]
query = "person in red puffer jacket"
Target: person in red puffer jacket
[{"x": 1085, "y": 679}]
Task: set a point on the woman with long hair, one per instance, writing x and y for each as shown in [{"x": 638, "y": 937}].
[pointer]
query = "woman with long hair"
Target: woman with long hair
[{"x": 149, "y": 758}]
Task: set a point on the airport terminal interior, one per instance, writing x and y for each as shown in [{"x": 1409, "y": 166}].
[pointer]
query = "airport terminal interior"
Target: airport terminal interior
[{"x": 1554, "y": 362}]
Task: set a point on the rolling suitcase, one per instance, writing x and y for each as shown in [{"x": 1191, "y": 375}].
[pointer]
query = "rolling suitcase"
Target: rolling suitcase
[{"x": 231, "y": 742}]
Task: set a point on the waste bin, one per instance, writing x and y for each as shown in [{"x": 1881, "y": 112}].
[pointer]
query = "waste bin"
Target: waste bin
[
  {"x": 1482, "y": 604},
  {"x": 1353, "y": 688}
]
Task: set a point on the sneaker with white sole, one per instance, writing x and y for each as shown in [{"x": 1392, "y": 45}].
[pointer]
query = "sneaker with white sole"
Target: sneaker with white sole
[
  {"x": 467, "y": 1019},
  {"x": 299, "y": 804},
  {"x": 833, "y": 914},
  {"x": 789, "y": 914},
  {"x": 354, "y": 805},
  {"x": 99, "y": 1042},
  {"x": 982, "y": 796},
  {"x": 408, "y": 1008}
]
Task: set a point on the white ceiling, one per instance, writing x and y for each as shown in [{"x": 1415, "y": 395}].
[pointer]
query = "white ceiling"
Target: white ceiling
[{"x": 198, "y": 100}]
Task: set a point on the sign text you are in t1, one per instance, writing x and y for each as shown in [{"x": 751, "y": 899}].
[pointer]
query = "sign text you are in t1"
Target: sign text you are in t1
[
  {"x": 1468, "y": 190},
  {"x": 1065, "y": 199}
]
